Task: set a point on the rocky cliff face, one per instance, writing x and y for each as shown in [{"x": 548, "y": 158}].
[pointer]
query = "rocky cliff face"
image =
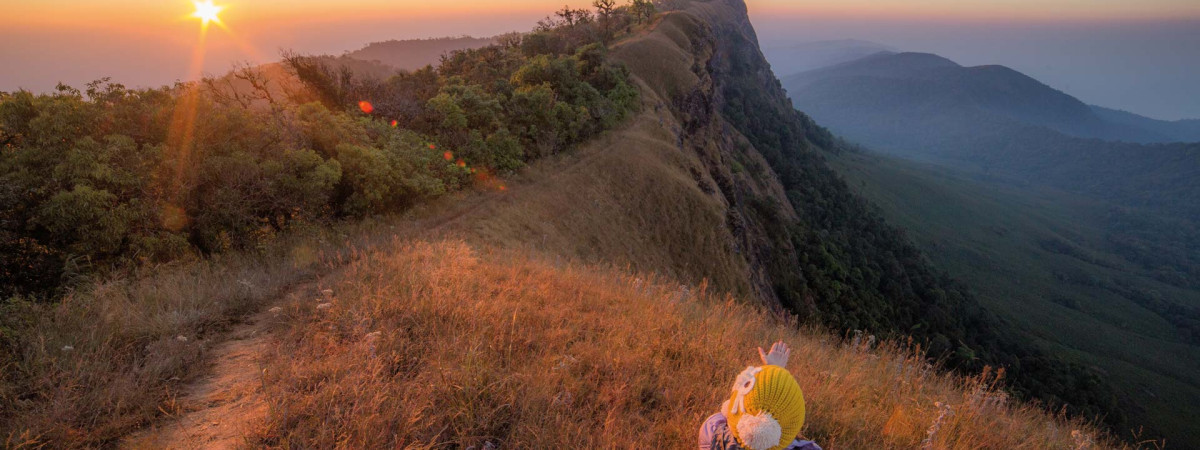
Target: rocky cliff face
[
  {"x": 805, "y": 241},
  {"x": 719, "y": 178}
]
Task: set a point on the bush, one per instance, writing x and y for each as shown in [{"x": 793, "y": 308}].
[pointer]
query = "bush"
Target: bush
[{"x": 108, "y": 176}]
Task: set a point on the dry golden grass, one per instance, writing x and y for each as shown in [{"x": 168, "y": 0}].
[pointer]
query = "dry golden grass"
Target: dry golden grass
[
  {"x": 109, "y": 357},
  {"x": 630, "y": 197},
  {"x": 440, "y": 345}
]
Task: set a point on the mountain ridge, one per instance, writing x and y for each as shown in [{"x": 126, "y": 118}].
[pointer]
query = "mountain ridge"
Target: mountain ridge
[
  {"x": 994, "y": 89},
  {"x": 959, "y": 117},
  {"x": 715, "y": 183}
]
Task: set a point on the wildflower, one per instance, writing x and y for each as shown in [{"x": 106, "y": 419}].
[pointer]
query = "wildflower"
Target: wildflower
[
  {"x": 181, "y": 338},
  {"x": 276, "y": 310},
  {"x": 366, "y": 107},
  {"x": 324, "y": 306},
  {"x": 68, "y": 348}
]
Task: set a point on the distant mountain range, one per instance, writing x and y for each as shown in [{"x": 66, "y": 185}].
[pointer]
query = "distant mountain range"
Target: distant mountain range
[
  {"x": 795, "y": 58},
  {"x": 905, "y": 80},
  {"x": 1170, "y": 131},
  {"x": 1000, "y": 121},
  {"x": 414, "y": 54}
]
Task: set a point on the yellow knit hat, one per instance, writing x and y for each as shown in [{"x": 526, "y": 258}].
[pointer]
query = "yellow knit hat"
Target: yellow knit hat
[{"x": 766, "y": 409}]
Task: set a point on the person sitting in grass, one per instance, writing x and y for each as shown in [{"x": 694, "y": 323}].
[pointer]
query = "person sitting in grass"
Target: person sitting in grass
[{"x": 764, "y": 412}]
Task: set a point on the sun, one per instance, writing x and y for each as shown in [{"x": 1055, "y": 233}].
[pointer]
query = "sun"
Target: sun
[{"x": 207, "y": 12}]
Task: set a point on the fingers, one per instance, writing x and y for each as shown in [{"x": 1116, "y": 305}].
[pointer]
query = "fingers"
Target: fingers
[{"x": 762, "y": 355}]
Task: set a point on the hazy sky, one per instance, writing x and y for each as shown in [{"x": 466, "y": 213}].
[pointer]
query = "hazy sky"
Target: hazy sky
[{"x": 1138, "y": 55}]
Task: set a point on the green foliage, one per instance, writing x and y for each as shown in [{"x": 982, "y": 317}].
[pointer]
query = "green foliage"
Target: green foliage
[
  {"x": 109, "y": 176},
  {"x": 642, "y": 10}
]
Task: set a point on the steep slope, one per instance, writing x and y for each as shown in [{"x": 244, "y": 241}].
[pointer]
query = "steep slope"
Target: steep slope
[
  {"x": 720, "y": 179},
  {"x": 717, "y": 178},
  {"x": 1048, "y": 261},
  {"x": 448, "y": 345},
  {"x": 860, "y": 272}
]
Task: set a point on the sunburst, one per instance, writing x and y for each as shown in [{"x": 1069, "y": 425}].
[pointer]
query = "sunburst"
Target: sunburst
[{"x": 207, "y": 12}]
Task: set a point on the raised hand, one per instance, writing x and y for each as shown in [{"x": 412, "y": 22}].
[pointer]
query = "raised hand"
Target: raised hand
[{"x": 778, "y": 356}]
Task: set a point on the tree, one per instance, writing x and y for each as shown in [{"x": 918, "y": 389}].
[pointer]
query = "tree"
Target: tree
[
  {"x": 643, "y": 10},
  {"x": 605, "y": 9}
]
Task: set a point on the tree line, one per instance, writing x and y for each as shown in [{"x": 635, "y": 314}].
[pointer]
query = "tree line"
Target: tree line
[{"x": 109, "y": 177}]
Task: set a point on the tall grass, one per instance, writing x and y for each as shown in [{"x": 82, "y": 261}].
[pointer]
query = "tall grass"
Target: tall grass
[
  {"x": 438, "y": 344},
  {"x": 109, "y": 357}
]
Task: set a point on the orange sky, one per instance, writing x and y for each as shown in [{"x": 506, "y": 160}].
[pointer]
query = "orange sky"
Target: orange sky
[
  {"x": 165, "y": 13},
  {"x": 151, "y": 42}
]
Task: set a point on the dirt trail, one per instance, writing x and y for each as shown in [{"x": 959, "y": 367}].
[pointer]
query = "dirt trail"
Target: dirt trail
[{"x": 222, "y": 405}]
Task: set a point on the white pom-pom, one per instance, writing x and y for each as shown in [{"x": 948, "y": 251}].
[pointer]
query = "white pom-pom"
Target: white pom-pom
[{"x": 760, "y": 431}]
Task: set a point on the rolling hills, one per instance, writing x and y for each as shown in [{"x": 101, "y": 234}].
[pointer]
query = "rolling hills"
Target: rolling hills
[
  {"x": 941, "y": 86},
  {"x": 1166, "y": 130},
  {"x": 997, "y": 121},
  {"x": 790, "y": 58}
]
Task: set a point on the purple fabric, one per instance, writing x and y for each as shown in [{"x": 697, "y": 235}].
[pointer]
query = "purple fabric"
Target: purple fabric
[{"x": 715, "y": 435}]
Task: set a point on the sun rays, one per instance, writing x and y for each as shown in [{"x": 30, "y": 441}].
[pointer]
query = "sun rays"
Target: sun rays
[{"x": 207, "y": 12}]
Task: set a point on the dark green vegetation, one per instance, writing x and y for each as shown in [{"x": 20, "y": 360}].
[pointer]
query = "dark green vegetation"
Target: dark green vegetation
[
  {"x": 1058, "y": 268},
  {"x": 837, "y": 262},
  {"x": 1091, "y": 247},
  {"x": 996, "y": 120},
  {"x": 96, "y": 179}
]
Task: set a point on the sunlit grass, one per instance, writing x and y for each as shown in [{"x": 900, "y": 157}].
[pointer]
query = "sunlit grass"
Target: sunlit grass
[{"x": 434, "y": 344}]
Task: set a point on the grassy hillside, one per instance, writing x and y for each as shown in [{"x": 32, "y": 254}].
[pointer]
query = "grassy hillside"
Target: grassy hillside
[
  {"x": 1045, "y": 260},
  {"x": 571, "y": 290},
  {"x": 432, "y": 344}
]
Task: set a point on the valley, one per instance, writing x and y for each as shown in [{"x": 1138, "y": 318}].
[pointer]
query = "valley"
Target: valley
[{"x": 1043, "y": 260}]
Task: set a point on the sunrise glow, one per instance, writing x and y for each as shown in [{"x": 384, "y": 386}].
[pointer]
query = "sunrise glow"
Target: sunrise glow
[{"x": 207, "y": 12}]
